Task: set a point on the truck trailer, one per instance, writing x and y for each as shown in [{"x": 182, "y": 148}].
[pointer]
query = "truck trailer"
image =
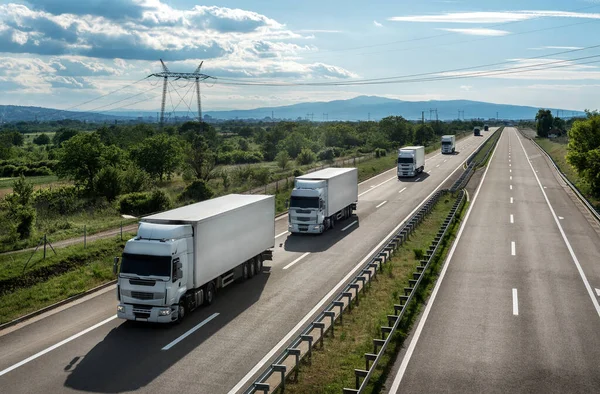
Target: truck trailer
[
  {"x": 181, "y": 257},
  {"x": 448, "y": 144},
  {"x": 411, "y": 161},
  {"x": 321, "y": 198},
  {"x": 476, "y": 131}
]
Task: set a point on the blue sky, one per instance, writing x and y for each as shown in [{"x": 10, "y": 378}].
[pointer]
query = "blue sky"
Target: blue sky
[{"x": 62, "y": 54}]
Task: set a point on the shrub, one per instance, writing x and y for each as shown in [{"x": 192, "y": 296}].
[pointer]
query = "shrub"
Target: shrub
[
  {"x": 60, "y": 201},
  {"x": 261, "y": 176},
  {"x": 298, "y": 172},
  {"x": 306, "y": 156},
  {"x": 418, "y": 253},
  {"x": 109, "y": 183},
  {"x": 141, "y": 203},
  {"x": 379, "y": 152},
  {"x": 327, "y": 154},
  {"x": 41, "y": 139},
  {"x": 135, "y": 179},
  {"x": 25, "y": 220},
  {"x": 196, "y": 191}
]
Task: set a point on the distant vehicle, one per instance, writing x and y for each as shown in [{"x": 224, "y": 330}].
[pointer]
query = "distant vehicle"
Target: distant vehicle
[
  {"x": 180, "y": 257},
  {"x": 448, "y": 143},
  {"x": 321, "y": 198},
  {"x": 476, "y": 132},
  {"x": 411, "y": 161},
  {"x": 486, "y": 128}
]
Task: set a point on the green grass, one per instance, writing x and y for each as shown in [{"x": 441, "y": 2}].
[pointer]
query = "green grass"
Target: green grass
[
  {"x": 7, "y": 183},
  {"x": 557, "y": 149},
  {"x": 486, "y": 146},
  {"x": 332, "y": 368}
]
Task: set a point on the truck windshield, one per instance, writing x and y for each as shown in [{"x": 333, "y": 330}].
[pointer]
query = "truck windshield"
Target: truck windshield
[
  {"x": 446, "y": 142},
  {"x": 405, "y": 160},
  {"x": 146, "y": 265},
  {"x": 304, "y": 202}
]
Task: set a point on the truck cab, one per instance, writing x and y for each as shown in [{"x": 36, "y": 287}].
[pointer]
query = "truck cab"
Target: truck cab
[
  {"x": 155, "y": 273},
  {"x": 411, "y": 161},
  {"x": 476, "y": 131},
  {"x": 307, "y": 207}
]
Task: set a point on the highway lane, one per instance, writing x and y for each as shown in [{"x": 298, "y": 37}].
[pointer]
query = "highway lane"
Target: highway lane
[
  {"x": 253, "y": 316},
  {"x": 511, "y": 311}
]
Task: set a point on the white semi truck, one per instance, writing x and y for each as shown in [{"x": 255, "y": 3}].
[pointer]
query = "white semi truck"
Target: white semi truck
[
  {"x": 411, "y": 161},
  {"x": 180, "y": 257},
  {"x": 321, "y": 198},
  {"x": 448, "y": 144}
]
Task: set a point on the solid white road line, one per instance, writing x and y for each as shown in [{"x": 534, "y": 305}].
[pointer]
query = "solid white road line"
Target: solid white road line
[
  {"x": 295, "y": 261},
  {"x": 402, "y": 190},
  {"x": 513, "y": 248},
  {"x": 515, "y": 303},
  {"x": 190, "y": 331},
  {"x": 59, "y": 344},
  {"x": 382, "y": 204},
  {"x": 350, "y": 225},
  {"x": 333, "y": 291},
  {"x": 512, "y": 218},
  {"x": 564, "y": 236},
  {"x": 279, "y": 235},
  {"x": 417, "y": 334},
  {"x": 511, "y": 200}
]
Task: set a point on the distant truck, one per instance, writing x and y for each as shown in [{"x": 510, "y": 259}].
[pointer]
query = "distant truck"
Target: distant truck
[
  {"x": 411, "y": 161},
  {"x": 486, "y": 128},
  {"x": 321, "y": 198},
  {"x": 476, "y": 131},
  {"x": 448, "y": 144},
  {"x": 181, "y": 257}
]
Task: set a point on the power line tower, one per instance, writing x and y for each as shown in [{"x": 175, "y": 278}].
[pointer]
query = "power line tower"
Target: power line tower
[{"x": 166, "y": 74}]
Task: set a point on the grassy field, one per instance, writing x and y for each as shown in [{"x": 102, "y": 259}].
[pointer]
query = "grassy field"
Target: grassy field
[
  {"x": 89, "y": 268},
  {"x": 557, "y": 149},
  {"x": 490, "y": 142},
  {"x": 332, "y": 368}
]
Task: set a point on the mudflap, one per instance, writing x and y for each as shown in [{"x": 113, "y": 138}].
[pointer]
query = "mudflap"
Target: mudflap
[{"x": 267, "y": 255}]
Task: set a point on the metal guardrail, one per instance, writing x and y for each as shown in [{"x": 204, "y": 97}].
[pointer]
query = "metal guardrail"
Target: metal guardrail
[
  {"x": 584, "y": 200},
  {"x": 288, "y": 360}
]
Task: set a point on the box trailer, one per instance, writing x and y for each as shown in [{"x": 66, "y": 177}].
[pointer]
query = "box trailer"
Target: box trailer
[
  {"x": 411, "y": 161},
  {"x": 181, "y": 257},
  {"x": 448, "y": 144},
  {"x": 321, "y": 198}
]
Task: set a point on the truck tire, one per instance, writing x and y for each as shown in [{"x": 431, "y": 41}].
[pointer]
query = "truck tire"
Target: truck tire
[
  {"x": 181, "y": 312},
  {"x": 210, "y": 293},
  {"x": 245, "y": 270},
  {"x": 251, "y": 269},
  {"x": 258, "y": 264}
]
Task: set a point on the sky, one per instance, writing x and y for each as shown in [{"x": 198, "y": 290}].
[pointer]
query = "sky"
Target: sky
[{"x": 95, "y": 55}]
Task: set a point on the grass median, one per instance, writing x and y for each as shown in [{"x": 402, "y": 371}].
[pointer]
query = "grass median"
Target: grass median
[
  {"x": 489, "y": 144},
  {"x": 332, "y": 368}
]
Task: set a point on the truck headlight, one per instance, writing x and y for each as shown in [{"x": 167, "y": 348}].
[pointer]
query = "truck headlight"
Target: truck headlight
[
  {"x": 317, "y": 227},
  {"x": 120, "y": 309},
  {"x": 164, "y": 312}
]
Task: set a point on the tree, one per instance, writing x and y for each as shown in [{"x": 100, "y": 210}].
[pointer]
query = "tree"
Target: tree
[
  {"x": 41, "y": 139},
  {"x": 544, "y": 121},
  {"x": 200, "y": 158},
  {"x": 423, "y": 133},
  {"x": 584, "y": 150},
  {"x": 558, "y": 125},
  {"x": 19, "y": 207},
  {"x": 63, "y": 135},
  {"x": 306, "y": 156},
  {"x": 80, "y": 159},
  {"x": 159, "y": 156},
  {"x": 282, "y": 159},
  {"x": 397, "y": 129}
]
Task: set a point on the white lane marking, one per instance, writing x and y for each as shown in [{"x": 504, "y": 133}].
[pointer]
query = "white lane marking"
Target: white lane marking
[
  {"x": 511, "y": 200},
  {"x": 279, "y": 235},
  {"x": 511, "y": 177},
  {"x": 467, "y": 193},
  {"x": 382, "y": 204},
  {"x": 560, "y": 217},
  {"x": 545, "y": 187},
  {"x": 510, "y": 187},
  {"x": 513, "y": 248},
  {"x": 430, "y": 171},
  {"x": 515, "y": 303},
  {"x": 372, "y": 186},
  {"x": 598, "y": 292},
  {"x": 59, "y": 344},
  {"x": 190, "y": 331},
  {"x": 418, "y": 179},
  {"x": 295, "y": 261},
  {"x": 445, "y": 160},
  {"x": 564, "y": 236},
  {"x": 333, "y": 291},
  {"x": 437, "y": 166},
  {"x": 376, "y": 186},
  {"x": 417, "y": 334},
  {"x": 402, "y": 190},
  {"x": 512, "y": 218},
  {"x": 510, "y": 165},
  {"x": 350, "y": 225},
  {"x": 510, "y": 170}
]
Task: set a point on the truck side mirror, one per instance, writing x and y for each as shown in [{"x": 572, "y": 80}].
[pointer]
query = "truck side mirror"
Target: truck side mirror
[
  {"x": 115, "y": 265},
  {"x": 287, "y": 204},
  {"x": 177, "y": 270}
]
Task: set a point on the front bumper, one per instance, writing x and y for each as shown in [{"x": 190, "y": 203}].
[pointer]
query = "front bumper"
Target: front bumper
[
  {"x": 146, "y": 313},
  {"x": 305, "y": 228}
]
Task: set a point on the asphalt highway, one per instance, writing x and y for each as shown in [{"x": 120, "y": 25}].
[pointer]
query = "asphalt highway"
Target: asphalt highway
[
  {"x": 516, "y": 307},
  {"x": 218, "y": 349}
]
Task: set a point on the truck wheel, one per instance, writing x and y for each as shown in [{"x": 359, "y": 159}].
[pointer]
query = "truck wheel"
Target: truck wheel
[
  {"x": 210, "y": 293},
  {"x": 244, "y": 271},
  {"x": 251, "y": 269},
  {"x": 181, "y": 312},
  {"x": 258, "y": 262}
]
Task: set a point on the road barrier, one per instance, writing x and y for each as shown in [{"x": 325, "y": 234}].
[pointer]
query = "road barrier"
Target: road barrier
[{"x": 584, "y": 200}]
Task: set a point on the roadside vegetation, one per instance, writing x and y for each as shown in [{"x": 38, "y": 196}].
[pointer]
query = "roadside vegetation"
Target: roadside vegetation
[
  {"x": 332, "y": 368},
  {"x": 490, "y": 143},
  {"x": 58, "y": 177}
]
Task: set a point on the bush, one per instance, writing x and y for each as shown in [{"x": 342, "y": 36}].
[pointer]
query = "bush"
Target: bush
[
  {"x": 8, "y": 171},
  {"x": 59, "y": 201},
  {"x": 41, "y": 139},
  {"x": 327, "y": 154},
  {"x": 25, "y": 220},
  {"x": 141, "y": 203},
  {"x": 261, "y": 176},
  {"x": 298, "y": 172},
  {"x": 109, "y": 183},
  {"x": 196, "y": 191},
  {"x": 418, "y": 253},
  {"x": 306, "y": 156},
  {"x": 379, "y": 152},
  {"x": 135, "y": 179},
  {"x": 240, "y": 157}
]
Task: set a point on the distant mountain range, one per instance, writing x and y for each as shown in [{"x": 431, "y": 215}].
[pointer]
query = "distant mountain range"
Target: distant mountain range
[{"x": 358, "y": 108}]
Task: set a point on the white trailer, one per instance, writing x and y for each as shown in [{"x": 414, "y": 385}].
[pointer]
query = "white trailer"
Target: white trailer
[
  {"x": 448, "y": 144},
  {"x": 321, "y": 198},
  {"x": 411, "y": 161},
  {"x": 180, "y": 257}
]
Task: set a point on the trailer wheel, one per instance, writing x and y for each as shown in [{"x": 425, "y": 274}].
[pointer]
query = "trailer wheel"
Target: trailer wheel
[
  {"x": 251, "y": 269},
  {"x": 210, "y": 293},
  {"x": 244, "y": 271},
  {"x": 258, "y": 262}
]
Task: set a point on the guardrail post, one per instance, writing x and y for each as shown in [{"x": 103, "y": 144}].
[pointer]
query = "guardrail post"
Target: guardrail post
[
  {"x": 349, "y": 296},
  {"x": 355, "y": 286},
  {"x": 340, "y": 304},
  {"x": 282, "y": 369},
  {"x": 321, "y": 326},
  {"x": 309, "y": 339},
  {"x": 331, "y": 315}
]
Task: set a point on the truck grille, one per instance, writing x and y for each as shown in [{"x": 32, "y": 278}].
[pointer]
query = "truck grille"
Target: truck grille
[
  {"x": 303, "y": 219},
  {"x": 302, "y": 211},
  {"x": 142, "y": 282},
  {"x": 141, "y": 295}
]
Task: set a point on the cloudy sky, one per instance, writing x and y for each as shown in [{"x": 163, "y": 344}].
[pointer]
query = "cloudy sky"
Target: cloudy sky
[{"x": 74, "y": 54}]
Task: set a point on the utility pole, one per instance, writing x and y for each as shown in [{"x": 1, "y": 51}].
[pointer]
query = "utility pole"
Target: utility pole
[
  {"x": 423, "y": 117},
  {"x": 166, "y": 74},
  {"x": 436, "y": 116},
  {"x": 369, "y": 116}
]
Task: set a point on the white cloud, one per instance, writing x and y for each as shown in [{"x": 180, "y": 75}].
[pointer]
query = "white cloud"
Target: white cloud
[
  {"x": 567, "y": 48},
  {"x": 478, "y": 32},
  {"x": 466, "y": 88},
  {"x": 491, "y": 17},
  {"x": 318, "y": 31},
  {"x": 377, "y": 24}
]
